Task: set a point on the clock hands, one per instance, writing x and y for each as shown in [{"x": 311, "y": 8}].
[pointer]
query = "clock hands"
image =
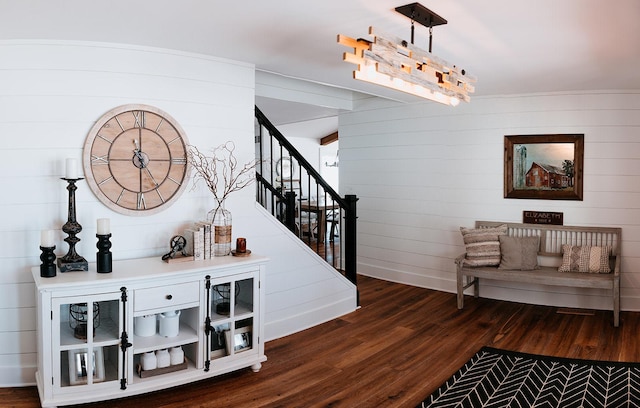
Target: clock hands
[
  {"x": 151, "y": 175},
  {"x": 141, "y": 161},
  {"x": 139, "y": 157}
]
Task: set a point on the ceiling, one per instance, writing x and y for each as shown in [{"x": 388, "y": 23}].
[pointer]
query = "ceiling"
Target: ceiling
[{"x": 512, "y": 46}]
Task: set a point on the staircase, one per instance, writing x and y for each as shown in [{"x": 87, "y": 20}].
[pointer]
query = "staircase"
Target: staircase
[{"x": 294, "y": 192}]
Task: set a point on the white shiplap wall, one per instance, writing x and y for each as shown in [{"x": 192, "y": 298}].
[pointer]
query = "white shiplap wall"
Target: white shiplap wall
[
  {"x": 51, "y": 93},
  {"x": 423, "y": 170}
]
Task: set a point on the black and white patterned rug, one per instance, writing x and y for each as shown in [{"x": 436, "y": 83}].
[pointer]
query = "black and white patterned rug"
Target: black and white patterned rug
[{"x": 499, "y": 378}]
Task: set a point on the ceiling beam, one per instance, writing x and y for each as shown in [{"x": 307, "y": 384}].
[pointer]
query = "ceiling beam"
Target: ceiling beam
[{"x": 329, "y": 139}]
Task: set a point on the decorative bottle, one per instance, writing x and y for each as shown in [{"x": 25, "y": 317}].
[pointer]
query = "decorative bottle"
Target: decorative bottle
[
  {"x": 164, "y": 359},
  {"x": 220, "y": 219},
  {"x": 177, "y": 355},
  {"x": 149, "y": 361}
]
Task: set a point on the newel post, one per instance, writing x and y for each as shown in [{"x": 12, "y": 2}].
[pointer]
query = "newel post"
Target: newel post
[
  {"x": 290, "y": 210},
  {"x": 350, "y": 253}
]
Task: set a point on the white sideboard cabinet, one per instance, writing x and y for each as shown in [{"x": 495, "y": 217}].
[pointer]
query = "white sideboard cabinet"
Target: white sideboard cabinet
[{"x": 104, "y": 336}]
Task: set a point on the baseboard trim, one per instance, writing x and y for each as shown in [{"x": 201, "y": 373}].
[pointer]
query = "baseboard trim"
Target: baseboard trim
[{"x": 296, "y": 323}]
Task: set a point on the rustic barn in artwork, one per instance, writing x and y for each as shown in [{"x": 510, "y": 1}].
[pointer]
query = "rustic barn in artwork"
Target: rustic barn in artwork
[{"x": 542, "y": 175}]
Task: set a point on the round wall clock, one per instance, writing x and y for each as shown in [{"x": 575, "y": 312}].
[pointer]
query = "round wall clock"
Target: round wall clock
[
  {"x": 286, "y": 168},
  {"x": 135, "y": 159}
]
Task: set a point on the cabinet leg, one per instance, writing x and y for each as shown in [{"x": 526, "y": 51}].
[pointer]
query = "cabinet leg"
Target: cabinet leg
[{"x": 256, "y": 367}]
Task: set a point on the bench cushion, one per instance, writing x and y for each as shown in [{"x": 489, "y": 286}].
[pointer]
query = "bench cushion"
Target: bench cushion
[
  {"x": 519, "y": 253},
  {"x": 590, "y": 259},
  {"x": 545, "y": 275},
  {"x": 483, "y": 245}
]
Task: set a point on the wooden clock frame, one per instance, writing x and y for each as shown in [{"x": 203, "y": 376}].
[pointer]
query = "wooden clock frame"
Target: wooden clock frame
[{"x": 135, "y": 159}]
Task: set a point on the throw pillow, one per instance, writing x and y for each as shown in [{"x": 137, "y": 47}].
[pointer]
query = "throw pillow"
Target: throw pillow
[
  {"x": 589, "y": 259},
  {"x": 483, "y": 245},
  {"x": 519, "y": 253}
]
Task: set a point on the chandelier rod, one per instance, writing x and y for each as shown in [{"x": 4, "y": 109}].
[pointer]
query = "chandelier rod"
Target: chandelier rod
[{"x": 420, "y": 14}]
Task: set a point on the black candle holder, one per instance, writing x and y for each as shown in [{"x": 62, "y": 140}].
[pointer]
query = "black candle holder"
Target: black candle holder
[
  {"x": 72, "y": 261},
  {"x": 48, "y": 266},
  {"x": 103, "y": 256}
]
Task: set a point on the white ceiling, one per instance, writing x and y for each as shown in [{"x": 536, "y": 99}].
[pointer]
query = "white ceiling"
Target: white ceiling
[{"x": 512, "y": 46}]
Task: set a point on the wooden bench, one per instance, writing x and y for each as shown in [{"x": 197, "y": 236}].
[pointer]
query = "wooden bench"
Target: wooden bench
[{"x": 552, "y": 237}]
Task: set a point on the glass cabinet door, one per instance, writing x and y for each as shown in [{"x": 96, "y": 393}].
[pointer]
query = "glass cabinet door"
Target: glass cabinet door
[
  {"x": 86, "y": 340},
  {"x": 230, "y": 316}
]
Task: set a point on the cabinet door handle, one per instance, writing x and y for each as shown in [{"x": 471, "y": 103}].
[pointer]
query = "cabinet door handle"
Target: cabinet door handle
[{"x": 169, "y": 297}]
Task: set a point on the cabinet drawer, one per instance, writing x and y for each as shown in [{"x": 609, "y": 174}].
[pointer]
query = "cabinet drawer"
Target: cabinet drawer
[{"x": 166, "y": 296}]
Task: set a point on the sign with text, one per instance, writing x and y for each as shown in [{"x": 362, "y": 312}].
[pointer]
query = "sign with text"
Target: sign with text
[{"x": 542, "y": 217}]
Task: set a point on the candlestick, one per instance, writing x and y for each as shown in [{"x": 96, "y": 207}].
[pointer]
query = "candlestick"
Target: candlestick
[
  {"x": 71, "y": 169},
  {"x": 48, "y": 266},
  {"x": 72, "y": 261},
  {"x": 104, "y": 226},
  {"x": 103, "y": 257}
]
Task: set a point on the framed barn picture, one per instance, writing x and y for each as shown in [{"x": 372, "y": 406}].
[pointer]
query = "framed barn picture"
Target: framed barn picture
[{"x": 545, "y": 167}]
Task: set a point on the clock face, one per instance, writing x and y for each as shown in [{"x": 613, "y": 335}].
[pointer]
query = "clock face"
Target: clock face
[{"x": 135, "y": 159}]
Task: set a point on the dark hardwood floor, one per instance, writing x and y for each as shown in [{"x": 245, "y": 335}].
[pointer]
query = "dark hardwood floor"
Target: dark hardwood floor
[{"x": 392, "y": 352}]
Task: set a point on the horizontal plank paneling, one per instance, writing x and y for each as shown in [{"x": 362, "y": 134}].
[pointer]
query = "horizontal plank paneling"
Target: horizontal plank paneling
[
  {"x": 20, "y": 319},
  {"x": 17, "y": 295},
  {"x": 18, "y": 342},
  {"x": 51, "y": 93},
  {"x": 409, "y": 226}
]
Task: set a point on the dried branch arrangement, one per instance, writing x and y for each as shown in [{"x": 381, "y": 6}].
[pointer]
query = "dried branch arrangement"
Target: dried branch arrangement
[{"x": 220, "y": 171}]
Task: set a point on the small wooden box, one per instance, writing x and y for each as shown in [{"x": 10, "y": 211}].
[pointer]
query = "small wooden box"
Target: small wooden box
[{"x": 164, "y": 370}]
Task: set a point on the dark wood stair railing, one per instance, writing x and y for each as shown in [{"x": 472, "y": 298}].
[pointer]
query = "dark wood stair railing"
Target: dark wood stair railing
[{"x": 297, "y": 195}]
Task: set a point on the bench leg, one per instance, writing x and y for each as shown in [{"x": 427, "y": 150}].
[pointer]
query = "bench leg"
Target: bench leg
[
  {"x": 616, "y": 302},
  {"x": 460, "y": 290},
  {"x": 476, "y": 287}
]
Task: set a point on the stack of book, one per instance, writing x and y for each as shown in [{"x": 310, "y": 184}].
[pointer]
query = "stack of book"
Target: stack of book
[{"x": 200, "y": 240}]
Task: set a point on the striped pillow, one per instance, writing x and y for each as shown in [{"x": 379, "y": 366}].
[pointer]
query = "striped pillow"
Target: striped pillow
[
  {"x": 589, "y": 259},
  {"x": 483, "y": 245}
]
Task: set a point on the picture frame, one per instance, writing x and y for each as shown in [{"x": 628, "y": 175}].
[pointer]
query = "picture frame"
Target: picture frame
[
  {"x": 544, "y": 167},
  {"x": 78, "y": 360},
  {"x": 219, "y": 342},
  {"x": 241, "y": 340}
]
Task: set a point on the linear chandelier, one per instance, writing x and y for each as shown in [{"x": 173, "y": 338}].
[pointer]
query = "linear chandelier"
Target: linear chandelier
[{"x": 392, "y": 62}]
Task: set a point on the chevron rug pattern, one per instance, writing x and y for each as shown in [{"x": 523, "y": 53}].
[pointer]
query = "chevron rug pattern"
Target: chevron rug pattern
[{"x": 499, "y": 378}]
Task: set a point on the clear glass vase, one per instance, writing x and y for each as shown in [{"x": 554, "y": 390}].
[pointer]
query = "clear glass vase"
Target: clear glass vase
[{"x": 220, "y": 219}]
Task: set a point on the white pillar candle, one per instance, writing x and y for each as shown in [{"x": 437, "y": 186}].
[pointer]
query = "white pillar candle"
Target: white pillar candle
[
  {"x": 104, "y": 227},
  {"x": 46, "y": 238},
  {"x": 71, "y": 169}
]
